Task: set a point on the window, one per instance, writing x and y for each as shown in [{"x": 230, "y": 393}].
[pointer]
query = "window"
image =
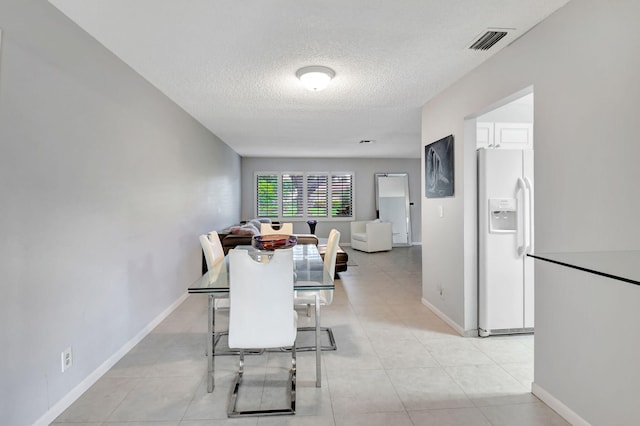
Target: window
[
  {"x": 292, "y": 195},
  {"x": 341, "y": 195},
  {"x": 304, "y": 195},
  {"x": 317, "y": 195},
  {"x": 267, "y": 195}
]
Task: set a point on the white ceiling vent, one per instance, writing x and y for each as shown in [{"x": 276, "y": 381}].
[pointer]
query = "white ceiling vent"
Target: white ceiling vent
[{"x": 487, "y": 40}]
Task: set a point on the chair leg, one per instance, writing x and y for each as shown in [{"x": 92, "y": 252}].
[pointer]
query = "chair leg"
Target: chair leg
[
  {"x": 216, "y": 340},
  {"x": 330, "y": 347},
  {"x": 318, "y": 348},
  {"x": 292, "y": 379},
  {"x": 232, "y": 411},
  {"x": 332, "y": 341}
]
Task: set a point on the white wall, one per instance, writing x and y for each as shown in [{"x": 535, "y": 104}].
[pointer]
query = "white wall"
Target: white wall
[
  {"x": 585, "y": 110},
  {"x": 105, "y": 185},
  {"x": 518, "y": 111},
  {"x": 587, "y": 346},
  {"x": 582, "y": 62},
  {"x": 364, "y": 203}
]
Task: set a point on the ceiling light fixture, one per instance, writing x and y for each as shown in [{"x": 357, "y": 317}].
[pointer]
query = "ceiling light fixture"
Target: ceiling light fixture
[{"x": 315, "y": 78}]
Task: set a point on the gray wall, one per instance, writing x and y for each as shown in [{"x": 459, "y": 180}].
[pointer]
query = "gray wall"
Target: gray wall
[
  {"x": 105, "y": 186},
  {"x": 364, "y": 204},
  {"x": 586, "y": 154}
]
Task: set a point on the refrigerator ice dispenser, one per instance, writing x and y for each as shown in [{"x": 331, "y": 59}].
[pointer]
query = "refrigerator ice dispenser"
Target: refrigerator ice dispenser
[{"x": 502, "y": 215}]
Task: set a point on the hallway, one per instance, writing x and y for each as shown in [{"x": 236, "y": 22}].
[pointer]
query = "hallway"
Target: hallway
[{"x": 397, "y": 364}]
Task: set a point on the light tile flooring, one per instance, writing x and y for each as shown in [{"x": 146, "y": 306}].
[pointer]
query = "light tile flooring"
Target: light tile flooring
[{"x": 396, "y": 364}]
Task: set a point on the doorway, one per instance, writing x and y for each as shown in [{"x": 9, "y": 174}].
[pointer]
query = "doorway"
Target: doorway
[{"x": 501, "y": 130}]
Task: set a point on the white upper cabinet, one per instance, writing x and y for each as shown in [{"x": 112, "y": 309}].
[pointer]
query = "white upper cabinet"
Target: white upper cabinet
[
  {"x": 504, "y": 135},
  {"x": 484, "y": 135},
  {"x": 513, "y": 135}
]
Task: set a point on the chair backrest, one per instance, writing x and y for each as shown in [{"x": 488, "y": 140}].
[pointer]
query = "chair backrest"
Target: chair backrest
[
  {"x": 212, "y": 249},
  {"x": 261, "y": 311},
  {"x": 208, "y": 251},
  {"x": 285, "y": 228},
  {"x": 332, "y": 250},
  {"x": 216, "y": 246}
]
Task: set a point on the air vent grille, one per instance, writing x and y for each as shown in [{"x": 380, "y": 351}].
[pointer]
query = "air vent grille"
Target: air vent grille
[{"x": 488, "y": 40}]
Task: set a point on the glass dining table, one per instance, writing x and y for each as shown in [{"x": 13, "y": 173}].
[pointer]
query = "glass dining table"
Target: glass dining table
[{"x": 309, "y": 274}]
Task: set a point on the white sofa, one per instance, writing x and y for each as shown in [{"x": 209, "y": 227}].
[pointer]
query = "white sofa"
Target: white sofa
[{"x": 371, "y": 235}]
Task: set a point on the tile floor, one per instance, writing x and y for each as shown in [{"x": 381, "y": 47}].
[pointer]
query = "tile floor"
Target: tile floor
[{"x": 397, "y": 364}]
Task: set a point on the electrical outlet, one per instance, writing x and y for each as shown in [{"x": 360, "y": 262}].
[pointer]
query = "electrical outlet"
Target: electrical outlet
[{"x": 67, "y": 359}]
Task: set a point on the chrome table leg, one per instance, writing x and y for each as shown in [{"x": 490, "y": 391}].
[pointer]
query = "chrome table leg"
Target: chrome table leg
[
  {"x": 318, "y": 347},
  {"x": 211, "y": 335}
]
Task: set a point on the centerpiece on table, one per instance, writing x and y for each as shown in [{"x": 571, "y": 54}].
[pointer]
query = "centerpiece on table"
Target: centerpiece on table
[{"x": 273, "y": 242}]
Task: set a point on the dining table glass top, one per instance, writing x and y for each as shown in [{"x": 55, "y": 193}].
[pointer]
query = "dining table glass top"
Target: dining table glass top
[{"x": 309, "y": 271}]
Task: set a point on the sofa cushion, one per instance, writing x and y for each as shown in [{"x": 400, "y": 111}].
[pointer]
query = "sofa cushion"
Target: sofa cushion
[
  {"x": 359, "y": 236},
  {"x": 246, "y": 229},
  {"x": 255, "y": 222}
]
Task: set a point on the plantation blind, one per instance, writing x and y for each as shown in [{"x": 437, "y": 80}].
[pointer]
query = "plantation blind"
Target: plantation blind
[
  {"x": 341, "y": 195},
  {"x": 267, "y": 195},
  {"x": 317, "y": 195},
  {"x": 292, "y": 195}
]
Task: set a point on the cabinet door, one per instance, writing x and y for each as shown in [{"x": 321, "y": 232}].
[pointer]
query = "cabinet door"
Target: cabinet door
[
  {"x": 484, "y": 135},
  {"x": 513, "y": 135}
]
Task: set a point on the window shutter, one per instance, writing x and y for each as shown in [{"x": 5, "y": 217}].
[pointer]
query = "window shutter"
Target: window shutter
[
  {"x": 292, "y": 195},
  {"x": 341, "y": 195},
  {"x": 267, "y": 195},
  {"x": 317, "y": 195}
]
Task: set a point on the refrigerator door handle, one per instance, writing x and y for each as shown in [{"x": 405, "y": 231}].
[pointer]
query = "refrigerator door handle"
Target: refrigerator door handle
[
  {"x": 529, "y": 228},
  {"x": 522, "y": 230}
]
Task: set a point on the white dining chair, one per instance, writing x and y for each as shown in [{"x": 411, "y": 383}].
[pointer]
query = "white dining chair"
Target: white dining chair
[
  {"x": 284, "y": 229},
  {"x": 217, "y": 256},
  {"x": 214, "y": 255},
  {"x": 262, "y": 315},
  {"x": 307, "y": 298}
]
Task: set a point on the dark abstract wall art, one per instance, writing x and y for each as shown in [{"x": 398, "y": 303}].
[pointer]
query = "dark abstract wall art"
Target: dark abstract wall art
[{"x": 438, "y": 165}]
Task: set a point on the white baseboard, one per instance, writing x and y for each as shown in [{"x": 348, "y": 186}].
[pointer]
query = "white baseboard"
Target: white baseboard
[
  {"x": 461, "y": 331},
  {"x": 64, "y": 403},
  {"x": 557, "y": 406}
]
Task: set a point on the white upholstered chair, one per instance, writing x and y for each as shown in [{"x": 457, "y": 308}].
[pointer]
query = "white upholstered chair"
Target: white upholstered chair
[
  {"x": 371, "y": 236},
  {"x": 325, "y": 298},
  {"x": 261, "y": 315},
  {"x": 285, "y": 229},
  {"x": 214, "y": 257}
]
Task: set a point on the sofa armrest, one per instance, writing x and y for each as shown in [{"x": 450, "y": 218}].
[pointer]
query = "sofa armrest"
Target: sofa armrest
[
  {"x": 379, "y": 235},
  {"x": 359, "y": 226}
]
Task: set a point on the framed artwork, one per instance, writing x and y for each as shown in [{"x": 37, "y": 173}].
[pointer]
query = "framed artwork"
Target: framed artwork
[{"x": 438, "y": 168}]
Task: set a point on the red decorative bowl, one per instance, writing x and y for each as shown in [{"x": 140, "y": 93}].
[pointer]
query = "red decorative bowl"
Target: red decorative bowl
[{"x": 273, "y": 242}]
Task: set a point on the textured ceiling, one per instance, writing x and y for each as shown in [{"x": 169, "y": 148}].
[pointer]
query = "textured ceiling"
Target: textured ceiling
[{"x": 231, "y": 64}]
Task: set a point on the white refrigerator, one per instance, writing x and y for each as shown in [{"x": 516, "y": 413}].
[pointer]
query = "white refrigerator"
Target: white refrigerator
[{"x": 505, "y": 236}]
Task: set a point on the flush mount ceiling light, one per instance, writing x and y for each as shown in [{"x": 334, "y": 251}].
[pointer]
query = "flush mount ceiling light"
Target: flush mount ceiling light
[{"x": 315, "y": 78}]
